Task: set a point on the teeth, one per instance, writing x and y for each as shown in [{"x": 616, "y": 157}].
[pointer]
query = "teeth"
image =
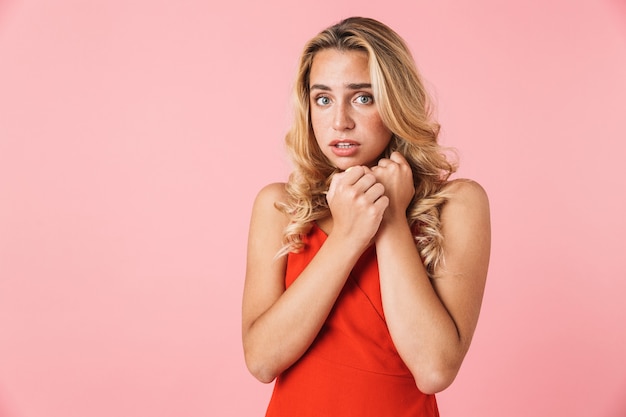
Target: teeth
[{"x": 343, "y": 145}]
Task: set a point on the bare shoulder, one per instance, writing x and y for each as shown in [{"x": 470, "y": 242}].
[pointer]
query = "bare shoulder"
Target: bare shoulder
[
  {"x": 268, "y": 221},
  {"x": 272, "y": 192},
  {"x": 265, "y": 237},
  {"x": 267, "y": 199},
  {"x": 467, "y": 194},
  {"x": 465, "y": 221}
]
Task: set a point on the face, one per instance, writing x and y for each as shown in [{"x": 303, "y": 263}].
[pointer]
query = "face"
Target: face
[{"x": 346, "y": 122}]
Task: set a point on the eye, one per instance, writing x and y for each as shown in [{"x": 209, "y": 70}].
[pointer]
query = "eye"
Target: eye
[
  {"x": 322, "y": 101},
  {"x": 364, "y": 99}
]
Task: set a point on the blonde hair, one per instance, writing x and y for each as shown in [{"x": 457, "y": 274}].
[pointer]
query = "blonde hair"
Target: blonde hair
[{"x": 406, "y": 110}]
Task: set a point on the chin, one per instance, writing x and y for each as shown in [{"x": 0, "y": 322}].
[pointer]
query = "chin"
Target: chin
[{"x": 342, "y": 166}]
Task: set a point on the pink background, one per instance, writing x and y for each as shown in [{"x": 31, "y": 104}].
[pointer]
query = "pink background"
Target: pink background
[{"x": 134, "y": 136}]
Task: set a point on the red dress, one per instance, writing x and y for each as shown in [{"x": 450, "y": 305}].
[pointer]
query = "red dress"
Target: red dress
[{"x": 352, "y": 368}]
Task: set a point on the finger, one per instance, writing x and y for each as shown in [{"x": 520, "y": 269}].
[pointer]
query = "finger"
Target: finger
[
  {"x": 386, "y": 163},
  {"x": 382, "y": 203},
  {"x": 365, "y": 182},
  {"x": 349, "y": 178},
  {"x": 336, "y": 179},
  {"x": 375, "y": 192},
  {"x": 352, "y": 174},
  {"x": 398, "y": 158}
]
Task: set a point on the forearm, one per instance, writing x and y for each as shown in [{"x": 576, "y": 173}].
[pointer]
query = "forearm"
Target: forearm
[
  {"x": 281, "y": 335},
  {"x": 423, "y": 331}
]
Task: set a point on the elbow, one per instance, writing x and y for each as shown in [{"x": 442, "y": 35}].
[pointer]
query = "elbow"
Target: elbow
[
  {"x": 262, "y": 375},
  {"x": 259, "y": 369},
  {"x": 435, "y": 380},
  {"x": 262, "y": 363}
]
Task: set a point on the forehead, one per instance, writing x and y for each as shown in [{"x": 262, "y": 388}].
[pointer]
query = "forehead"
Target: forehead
[{"x": 333, "y": 65}]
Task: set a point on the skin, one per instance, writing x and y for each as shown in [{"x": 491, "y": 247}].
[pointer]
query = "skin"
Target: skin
[
  {"x": 343, "y": 109},
  {"x": 430, "y": 321}
]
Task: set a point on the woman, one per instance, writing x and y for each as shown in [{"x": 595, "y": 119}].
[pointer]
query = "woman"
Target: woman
[{"x": 366, "y": 270}]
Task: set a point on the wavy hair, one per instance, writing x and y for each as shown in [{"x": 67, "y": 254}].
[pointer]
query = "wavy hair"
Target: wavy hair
[{"x": 405, "y": 108}]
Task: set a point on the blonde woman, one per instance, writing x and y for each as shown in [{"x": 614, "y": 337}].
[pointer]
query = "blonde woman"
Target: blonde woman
[{"x": 366, "y": 270}]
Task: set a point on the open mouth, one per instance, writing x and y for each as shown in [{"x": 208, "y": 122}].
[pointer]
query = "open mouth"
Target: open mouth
[{"x": 344, "y": 148}]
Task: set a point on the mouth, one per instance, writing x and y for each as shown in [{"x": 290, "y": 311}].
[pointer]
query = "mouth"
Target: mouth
[
  {"x": 344, "y": 147},
  {"x": 344, "y": 144}
]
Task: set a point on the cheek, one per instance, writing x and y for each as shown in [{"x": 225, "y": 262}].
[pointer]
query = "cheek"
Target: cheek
[
  {"x": 314, "y": 122},
  {"x": 317, "y": 123},
  {"x": 376, "y": 125},
  {"x": 315, "y": 127}
]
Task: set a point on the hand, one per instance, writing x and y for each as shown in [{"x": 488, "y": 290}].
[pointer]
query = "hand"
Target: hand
[
  {"x": 357, "y": 204},
  {"x": 397, "y": 177}
]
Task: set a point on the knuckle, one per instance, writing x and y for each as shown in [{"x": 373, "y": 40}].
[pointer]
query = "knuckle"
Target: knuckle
[{"x": 369, "y": 176}]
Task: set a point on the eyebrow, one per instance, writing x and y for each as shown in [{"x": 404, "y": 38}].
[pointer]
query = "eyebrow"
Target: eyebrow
[{"x": 351, "y": 86}]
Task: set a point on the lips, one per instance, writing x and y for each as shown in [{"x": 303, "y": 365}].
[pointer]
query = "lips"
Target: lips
[
  {"x": 344, "y": 147},
  {"x": 343, "y": 142}
]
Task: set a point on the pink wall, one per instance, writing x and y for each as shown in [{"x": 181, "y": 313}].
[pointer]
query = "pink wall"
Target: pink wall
[{"x": 134, "y": 136}]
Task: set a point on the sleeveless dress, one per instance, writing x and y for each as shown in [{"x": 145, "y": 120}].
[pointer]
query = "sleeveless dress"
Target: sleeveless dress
[{"x": 352, "y": 368}]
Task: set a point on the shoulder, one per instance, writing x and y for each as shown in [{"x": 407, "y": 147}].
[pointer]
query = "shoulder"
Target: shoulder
[
  {"x": 466, "y": 193},
  {"x": 466, "y": 229},
  {"x": 466, "y": 207},
  {"x": 267, "y": 201},
  {"x": 272, "y": 193}
]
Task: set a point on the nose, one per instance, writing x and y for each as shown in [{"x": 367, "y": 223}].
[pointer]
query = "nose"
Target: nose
[{"x": 342, "y": 119}]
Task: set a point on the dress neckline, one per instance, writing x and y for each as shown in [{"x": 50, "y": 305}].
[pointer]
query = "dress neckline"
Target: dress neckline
[{"x": 316, "y": 225}]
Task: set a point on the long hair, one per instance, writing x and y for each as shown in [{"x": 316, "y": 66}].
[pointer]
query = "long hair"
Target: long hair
[{"x": 405, "y": 108}]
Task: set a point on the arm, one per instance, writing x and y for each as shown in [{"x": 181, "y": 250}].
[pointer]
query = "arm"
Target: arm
[
  {"x": 432, "y": 322},
  {"x": 279, "y": 325}
]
